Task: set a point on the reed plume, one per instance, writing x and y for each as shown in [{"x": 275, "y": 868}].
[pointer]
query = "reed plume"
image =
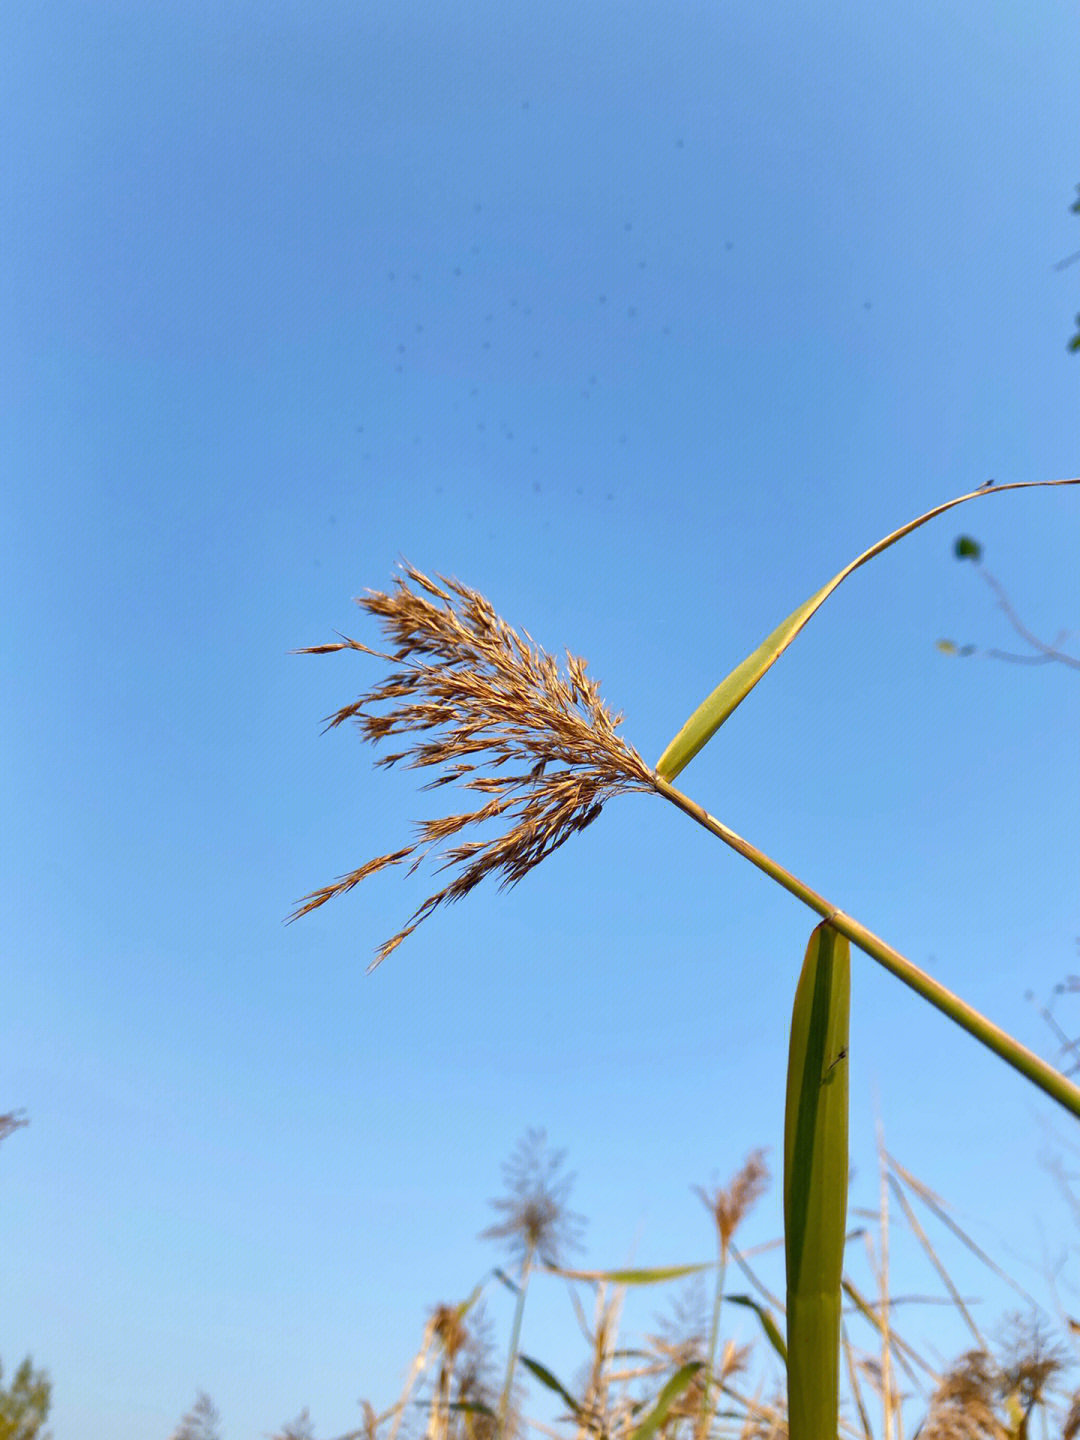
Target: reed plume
[{"x": 486, "y": 697}]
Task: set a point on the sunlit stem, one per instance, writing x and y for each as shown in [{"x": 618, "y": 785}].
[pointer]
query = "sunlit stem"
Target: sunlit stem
[
  {"x": 515, "y": 1338},
  {"x": 708, "y": 1403},
  {"x": 1051, "y": 1081}
]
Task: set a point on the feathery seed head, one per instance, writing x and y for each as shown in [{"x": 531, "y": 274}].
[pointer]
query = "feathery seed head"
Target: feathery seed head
[
  {"x": 729, "y": 1206},
  {"x": 473, "y": 696},
  {"x": 538, "y": 1220}
]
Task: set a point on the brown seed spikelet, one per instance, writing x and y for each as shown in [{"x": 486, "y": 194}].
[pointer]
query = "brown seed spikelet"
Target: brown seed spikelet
[
  {"x": 485, "y": 696},
  {"x": 963, "y": 1405},
  {"x": 729, "y": 1206}
]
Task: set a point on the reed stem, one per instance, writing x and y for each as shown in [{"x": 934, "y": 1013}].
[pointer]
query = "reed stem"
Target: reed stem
[
  {"x": 515, "y": 1341},
  {"x": 1049, "y": 1080}
]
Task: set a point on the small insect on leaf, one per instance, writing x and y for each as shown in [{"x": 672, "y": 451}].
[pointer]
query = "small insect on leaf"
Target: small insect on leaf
[{"x": 827, "y": 1077}]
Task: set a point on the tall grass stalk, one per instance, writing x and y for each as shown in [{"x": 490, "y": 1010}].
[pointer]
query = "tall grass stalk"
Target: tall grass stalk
[
  {"x": 489, "y": 694},
  {"x": 890, "y": 1399},
  {"x": 728, "y": 1207},
  {"x": 538, "y": 1224},
  {"x": 515, "y": 1345},
  {"x": 474, "y": 696}
]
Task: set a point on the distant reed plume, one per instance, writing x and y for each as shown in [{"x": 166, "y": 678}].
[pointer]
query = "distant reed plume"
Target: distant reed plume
[
  {"x": 729, "y": 1205},
  {"x": 492, "y": 698}
]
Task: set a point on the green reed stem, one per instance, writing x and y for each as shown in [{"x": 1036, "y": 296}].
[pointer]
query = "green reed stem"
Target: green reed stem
[
  {"x": 515, "y": 1340},
  {"x": 1049, "y": 1080},
  {"x": 708, "y": 1403}
]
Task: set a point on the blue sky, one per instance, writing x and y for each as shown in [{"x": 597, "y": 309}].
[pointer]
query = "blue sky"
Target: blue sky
[{"x": 642, "y": 320}]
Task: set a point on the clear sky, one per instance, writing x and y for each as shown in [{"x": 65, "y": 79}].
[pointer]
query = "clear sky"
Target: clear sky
[{"x": 642, "y": 319}]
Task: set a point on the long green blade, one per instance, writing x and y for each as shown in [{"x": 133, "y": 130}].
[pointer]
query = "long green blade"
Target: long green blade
[
  {"x": 544, "y": 1375},
  {"x": 768, "y": 1324},
  {"x": 664, "y": 1401},
  {"x": 711, "y": 713},
  {"x": 654, "y": 1276},
  {"x": 816, "y": 1183}
]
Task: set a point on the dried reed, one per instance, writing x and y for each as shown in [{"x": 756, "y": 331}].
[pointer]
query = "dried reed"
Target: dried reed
[
  {"x": 492, "y": 698},
  {"x": 729, "y": 1205}
]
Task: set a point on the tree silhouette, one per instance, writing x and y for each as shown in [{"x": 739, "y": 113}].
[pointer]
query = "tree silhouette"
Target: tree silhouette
[{"x": 24, "y": 1407}]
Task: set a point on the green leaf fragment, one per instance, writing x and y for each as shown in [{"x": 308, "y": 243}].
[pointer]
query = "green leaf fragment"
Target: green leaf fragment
[
  {"x": 712, "y": 712},
  {"x": 664, "y": 1401},
  {"x": 768, "y": 1324},
  {"x": 816, "y": 1183},
  {"x": 544, "y": 1375},
  {"x": 636, "y": 1277}
]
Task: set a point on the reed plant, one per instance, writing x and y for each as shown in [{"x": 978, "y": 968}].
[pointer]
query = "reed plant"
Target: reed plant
[
  {"x": 538, "y": 750},
  {"x": 664, "y": 1385}
]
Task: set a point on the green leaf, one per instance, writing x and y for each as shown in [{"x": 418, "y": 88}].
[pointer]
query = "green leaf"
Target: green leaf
[
  {"x": 545, "y": 1377},
  {"x": 768, "y": 1324},
  {"x": 664, "y": 1401},
  {"x": 816, "y": 1183},
  {"x": 967, "y": 549},
  {"x": 634, "y": 1277},
  {"x": 731, "y": 692}
]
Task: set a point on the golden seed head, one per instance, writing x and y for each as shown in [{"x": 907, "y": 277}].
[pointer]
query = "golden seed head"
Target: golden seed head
[
  {"x": 473, "y": 696},
  {"x": 730, "y": 1205}
]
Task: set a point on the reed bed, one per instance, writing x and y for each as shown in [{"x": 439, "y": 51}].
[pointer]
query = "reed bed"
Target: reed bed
[{"x": 695, "y": 1376}]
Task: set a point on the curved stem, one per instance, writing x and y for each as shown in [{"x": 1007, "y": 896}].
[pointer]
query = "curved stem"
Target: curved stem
[{"x": 1051, "y": 1081}]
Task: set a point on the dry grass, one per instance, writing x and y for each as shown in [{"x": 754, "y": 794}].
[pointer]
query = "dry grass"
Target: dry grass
[
  {"x": 964, "y": 1406},
  {"x": 537, "y": 1219},
  {"x": 12, "y": 1121},
  {"x": 1015, "y": 1390},
  {"x": 729, "y": 1206},
  {"x": 487, "y": 697}
]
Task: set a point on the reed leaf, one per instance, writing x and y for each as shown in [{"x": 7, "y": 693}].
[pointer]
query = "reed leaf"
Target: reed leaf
[
  {"x": 544, "y": 1375},
  {"x": 665, "y": 1400},
  {"x": 732, "y": 691},
  {"x": 473, "y": 695},
  {"x": 816, "y": 1183},
  {"x": 768, "y": 1324},
  {"x": 654, "y": 1276}
]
